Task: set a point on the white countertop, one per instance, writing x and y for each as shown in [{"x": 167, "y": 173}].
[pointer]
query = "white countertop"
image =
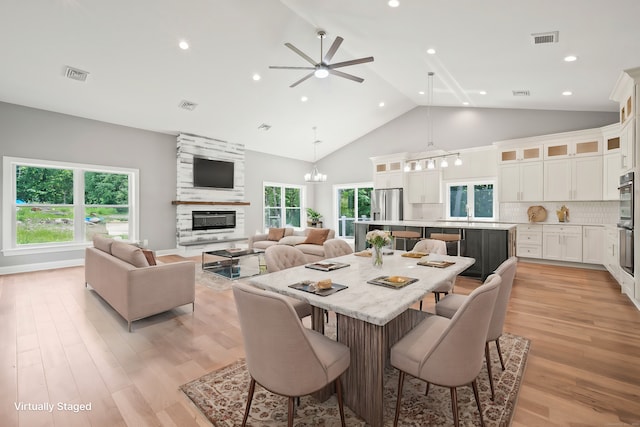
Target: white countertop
[
  {"x": 480, "y": 225},
  {"x": 371, "y": 303}
]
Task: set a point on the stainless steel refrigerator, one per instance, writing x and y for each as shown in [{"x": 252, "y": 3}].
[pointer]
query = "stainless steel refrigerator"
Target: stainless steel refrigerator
[{"x": 386, "y": 204}]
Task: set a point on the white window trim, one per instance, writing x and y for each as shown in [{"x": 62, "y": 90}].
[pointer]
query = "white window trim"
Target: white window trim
[
  {"x": 9, "y": 204},
  {"x": 336, "y": 187},
  {"x": 303, "y": 203},
  {"x": 470, "y": 183}
]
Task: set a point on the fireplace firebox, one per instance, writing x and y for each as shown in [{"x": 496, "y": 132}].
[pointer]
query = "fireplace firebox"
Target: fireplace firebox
[{"x": 208, "y": 220}]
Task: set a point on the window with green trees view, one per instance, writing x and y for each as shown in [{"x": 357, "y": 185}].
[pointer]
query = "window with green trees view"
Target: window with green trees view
[
  {"x": 60, "y": 203},
  {"x": 471, "y": 200},
  {"x": 282, "y": 206},
  {"x": 353, "y": 202}
]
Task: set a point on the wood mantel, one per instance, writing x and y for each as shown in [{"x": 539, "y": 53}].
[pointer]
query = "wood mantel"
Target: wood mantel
[{"x": 188, "y": 202}]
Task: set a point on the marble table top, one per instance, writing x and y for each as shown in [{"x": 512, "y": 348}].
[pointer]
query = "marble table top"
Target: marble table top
[{"x": 361, "y": 300}]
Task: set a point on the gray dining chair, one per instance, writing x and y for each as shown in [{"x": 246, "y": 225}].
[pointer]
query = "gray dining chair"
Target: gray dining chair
[
  {"x": 448, "y": 352},
  {"x": 281, "y": 257},
  {"x": 283, "y": 356},
  {"x": 439, "y": 247},
  {"x": 450, "y": 304}
]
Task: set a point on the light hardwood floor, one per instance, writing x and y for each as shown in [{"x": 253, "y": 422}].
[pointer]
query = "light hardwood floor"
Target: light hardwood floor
[{"x": 61, "y": 343}]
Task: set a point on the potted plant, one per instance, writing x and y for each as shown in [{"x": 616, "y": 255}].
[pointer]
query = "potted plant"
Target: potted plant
[{"x": 313, "y": 218}]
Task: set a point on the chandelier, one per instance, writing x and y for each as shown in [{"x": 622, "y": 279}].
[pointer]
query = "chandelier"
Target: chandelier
[
  {"x": 431, "y": 161},
  {"x": 314, "y": 176}
]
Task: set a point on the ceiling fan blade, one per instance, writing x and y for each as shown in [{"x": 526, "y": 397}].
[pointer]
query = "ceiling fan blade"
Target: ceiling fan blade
[
  {"x": 346, "y": 76},
  {"x": 352, "y": 62},
  {"x": 301, "y": 80},
  {"x": 301, "y": 53},
  {"x": 332, "y": 50},
  {"x": 278, "y": 67}
]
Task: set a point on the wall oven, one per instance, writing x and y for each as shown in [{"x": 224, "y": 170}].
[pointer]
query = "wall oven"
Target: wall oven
[{"x": 625, "y": 222}]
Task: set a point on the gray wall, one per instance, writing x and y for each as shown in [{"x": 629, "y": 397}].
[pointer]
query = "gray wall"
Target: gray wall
[
  {"x": 39, "y": 134},
  {"x": 453, "y": 128}
]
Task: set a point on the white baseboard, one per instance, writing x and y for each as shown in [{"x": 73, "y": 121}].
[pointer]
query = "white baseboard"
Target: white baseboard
[{"x": 25, "y": 268}]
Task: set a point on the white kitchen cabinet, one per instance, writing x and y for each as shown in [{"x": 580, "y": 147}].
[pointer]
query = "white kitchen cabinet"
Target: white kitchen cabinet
[
  {"x": 424, "y": 187},
  {"x": 529, "y": 241},
  {"x": 388, "y": 180},
  {"x": 611, "y": 171},
  {"x": 521, "y": 182},
  {"x": 610, "y": 257},
  {"x": 590, "y": 145},
  {"x": 520, "y": 154},
  {"x": 573, "y": 179},
  {"x": 562, "y": 242},
  {"x": 627, "y": 150},
  {"x": 593, "y": 244}
]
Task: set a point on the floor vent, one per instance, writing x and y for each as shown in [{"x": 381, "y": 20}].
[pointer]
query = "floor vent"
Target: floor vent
[
  {"x": 188, "y": 105},
  {"x": 544, "y": 38},
  {"x": 521, "y": 93},
  {"x": 76, "y": 74}
]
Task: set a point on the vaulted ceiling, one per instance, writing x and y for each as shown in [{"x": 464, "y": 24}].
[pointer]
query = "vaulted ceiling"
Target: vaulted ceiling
[{"x": 138, "y": 75}]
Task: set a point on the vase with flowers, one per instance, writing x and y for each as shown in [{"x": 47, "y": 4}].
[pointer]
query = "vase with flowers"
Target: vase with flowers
[{"x": 377, "y": 239}]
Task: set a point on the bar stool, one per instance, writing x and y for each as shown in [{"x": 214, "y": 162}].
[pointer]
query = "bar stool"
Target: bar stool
[
  {"x": 406, "y": 235},
  {"x": 447, "y": 238}
]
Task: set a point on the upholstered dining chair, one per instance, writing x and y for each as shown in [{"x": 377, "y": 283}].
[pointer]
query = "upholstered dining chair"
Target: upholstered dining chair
[
  {"x": 448, "y": 352},
  {"x": 334, "y": 248},
  {"x": 439, "y": 247},
  {"x": 448, "y": 306},
  {"x": 283, "y": 356},
  {"x": 281, "y": 257}
]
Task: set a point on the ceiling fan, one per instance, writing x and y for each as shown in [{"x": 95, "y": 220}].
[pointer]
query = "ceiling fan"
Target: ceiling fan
[{"x": 323, "y": 68}]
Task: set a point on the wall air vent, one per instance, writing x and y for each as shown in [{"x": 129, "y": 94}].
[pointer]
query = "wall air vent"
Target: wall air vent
[
  {"x": 544, "y": 38},
  {"x": 521, "y": 93},
  {"x": 76, "y": 74},
  {"x": 187, "y": 105}
]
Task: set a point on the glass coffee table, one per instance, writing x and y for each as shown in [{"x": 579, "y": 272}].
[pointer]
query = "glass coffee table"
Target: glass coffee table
[{"x": 233, "y": 263}]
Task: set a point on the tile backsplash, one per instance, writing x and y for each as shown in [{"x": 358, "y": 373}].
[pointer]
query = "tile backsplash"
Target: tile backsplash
[{"x": 579, "y": 212}]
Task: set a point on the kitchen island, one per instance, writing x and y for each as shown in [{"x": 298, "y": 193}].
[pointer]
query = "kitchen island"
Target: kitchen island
[{"x": 490, "y": 243}]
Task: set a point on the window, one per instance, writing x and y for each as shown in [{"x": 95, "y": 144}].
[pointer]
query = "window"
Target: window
[
  {"x": 353, "y": 202},
  {"x": 55, "y": 206},
  {"x": 472, "y": 200},
  {"x": 282, "y": 201}
]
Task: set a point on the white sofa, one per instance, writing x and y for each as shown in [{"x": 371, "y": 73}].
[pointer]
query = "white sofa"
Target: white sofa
[{"x": 297, "y": 238}]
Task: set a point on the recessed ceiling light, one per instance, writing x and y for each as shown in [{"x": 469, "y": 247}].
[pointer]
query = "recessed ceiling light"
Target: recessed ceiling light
[
  {"x": 381, "y": 104},
  {"x": 570, "y": 58},
  {"x": 567, "y": 93},
  {"x": 393, "y": 3},
  {"x": 483, "y": 92},
  {"x": 256, "y": 77},
  {"x": 304, "y": 99},
  {"x": 183, "y": 45},
  {"x": 421, "y": 92},
  {"x": 431, "y": 51},
  {"x": 465, "y": 103}
]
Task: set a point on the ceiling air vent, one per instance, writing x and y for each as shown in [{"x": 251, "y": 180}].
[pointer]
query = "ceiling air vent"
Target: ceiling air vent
[
  {"x": 265, "y": 127},
  {"x": 521, "y": 93},
  {"x": 187, "y": 105},
  {"x": 544, "y": 38},
  {"x": 76, "y": 74}
]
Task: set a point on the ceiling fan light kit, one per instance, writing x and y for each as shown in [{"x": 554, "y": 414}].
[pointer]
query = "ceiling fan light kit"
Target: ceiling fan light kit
[{"x": 323, "y": 68}]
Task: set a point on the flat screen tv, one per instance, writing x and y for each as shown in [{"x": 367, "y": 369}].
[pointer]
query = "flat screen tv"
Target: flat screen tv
[{"x": 212, "y": 173}]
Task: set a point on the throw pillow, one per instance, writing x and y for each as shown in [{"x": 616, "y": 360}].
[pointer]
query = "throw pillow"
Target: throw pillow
[
  {"x": 129, "y": 253},
  {"x": 103, "y": 243},
  {"x": 317, "y": 236},
  {"x": 275, "y": 234},
  {"x": 150, "y": 256},
  {"x": 292, "y": 240}
]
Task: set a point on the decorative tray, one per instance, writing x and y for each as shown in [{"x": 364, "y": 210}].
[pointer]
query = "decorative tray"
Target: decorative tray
[
  {"x": 414, "y": 254},
  {"x": 326, "y": 266},
  {"x": 363, "y": 253},
  {"x": 395, "y": 282},
  {"x": 437, "y": 264},
  {"x": 309, "y": 286}
]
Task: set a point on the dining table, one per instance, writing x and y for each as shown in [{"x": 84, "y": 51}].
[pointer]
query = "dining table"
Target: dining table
[{"x": 370, "y": 317}]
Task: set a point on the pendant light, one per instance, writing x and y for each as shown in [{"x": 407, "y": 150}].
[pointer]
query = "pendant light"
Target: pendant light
[{"x": 314, "y": 176}]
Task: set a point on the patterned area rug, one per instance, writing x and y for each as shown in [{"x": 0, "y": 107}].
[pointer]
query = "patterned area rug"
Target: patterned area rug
[{"x": 221, "y": 397}]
